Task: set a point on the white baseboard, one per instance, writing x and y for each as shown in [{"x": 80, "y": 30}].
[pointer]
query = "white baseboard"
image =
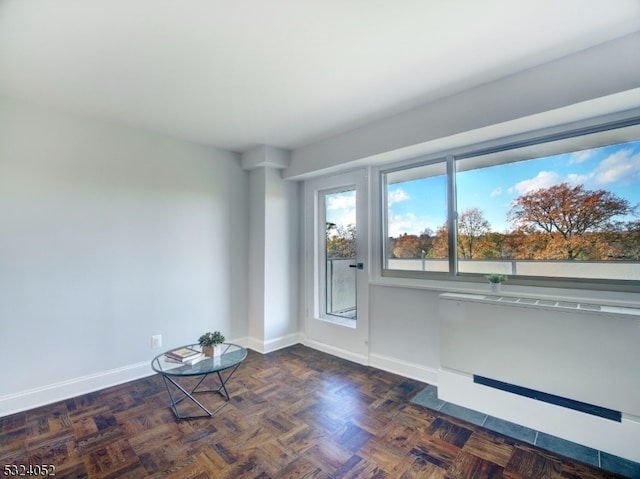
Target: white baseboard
[
  {"x": 404, "y": 368},
  {"x": 379, "y": 361},
  {"x": 617, "y": 438},
  {"x": 341, "y": 353},
  {"x": 40, "y": 396},
  {"x": 271, "y": 345}
]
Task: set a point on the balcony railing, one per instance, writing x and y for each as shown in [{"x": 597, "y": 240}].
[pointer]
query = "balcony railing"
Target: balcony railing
[
  {"x": 627, "y": 270},
  {"x": 341, "y": 288}
]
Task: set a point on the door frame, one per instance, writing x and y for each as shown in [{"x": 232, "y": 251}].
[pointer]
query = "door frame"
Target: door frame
[{"x": 336, "y": 339}]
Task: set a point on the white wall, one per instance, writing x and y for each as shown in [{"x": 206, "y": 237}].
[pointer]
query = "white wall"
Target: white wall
[
  {"x": 405, "y": 331},
  {"x": 108, "y": 236}
]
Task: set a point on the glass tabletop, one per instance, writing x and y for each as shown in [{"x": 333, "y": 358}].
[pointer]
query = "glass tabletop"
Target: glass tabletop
[{"x": 231, "y": 356}]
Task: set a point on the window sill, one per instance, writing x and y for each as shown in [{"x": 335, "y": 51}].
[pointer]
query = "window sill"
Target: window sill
[{"x": 622, "y": 299}]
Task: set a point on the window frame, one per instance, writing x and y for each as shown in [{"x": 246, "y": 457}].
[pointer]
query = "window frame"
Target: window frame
[{"x": 533, "y": 141}]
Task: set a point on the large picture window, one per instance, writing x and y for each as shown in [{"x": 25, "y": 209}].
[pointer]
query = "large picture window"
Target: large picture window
[{"x": 558, "y": 208}]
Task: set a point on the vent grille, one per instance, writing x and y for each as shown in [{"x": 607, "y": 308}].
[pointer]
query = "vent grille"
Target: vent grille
[
  {"x": 566, "y": 305},
  {"x": 545, "y": 302},
  {"x": 592, "y": 409}
]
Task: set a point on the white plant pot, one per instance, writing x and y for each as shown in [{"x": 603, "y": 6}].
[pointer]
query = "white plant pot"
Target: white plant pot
[
  {"x": 496, "y": 287},
  {"x": 213, "y": 351}
]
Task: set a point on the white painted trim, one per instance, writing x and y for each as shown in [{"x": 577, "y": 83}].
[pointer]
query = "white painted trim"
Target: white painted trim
[
  {"x": 617, "y": 438},
  {"x": 341, "y": 353},
  {"x": 265, "y": 347},
  {"x": 385, "y": 363},
  {"x": 404, "y": 368},
  {"x": 36, "y": 397}
]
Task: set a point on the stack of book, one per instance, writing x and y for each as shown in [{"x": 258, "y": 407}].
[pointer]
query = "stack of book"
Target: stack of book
[{"x": 184, "y": 356}]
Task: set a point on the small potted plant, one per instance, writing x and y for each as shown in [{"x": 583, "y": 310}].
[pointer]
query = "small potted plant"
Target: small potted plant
[
  {"x": 496, "y": 280},
  {"x": 210, "y": 343}
]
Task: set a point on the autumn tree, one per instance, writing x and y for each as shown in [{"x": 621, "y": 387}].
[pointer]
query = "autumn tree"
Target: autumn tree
[
  {"x": 526, "y": 245},
  {"x": 624, "y": 244},
  {"x": 630, "y": 241},
  {"x": 406, "y": 246},
  {"x": 426, "y": 243},
  {"x": 491, "y": 246},
  {"x": 567, "y": 214},
  {"x": 473, "y": 239},
  {"x": 411, "y": 246},
  {"x": 472, "y": 228},
  {"x": 441, "y": 242},
  {"x": 341, "y": 241}
]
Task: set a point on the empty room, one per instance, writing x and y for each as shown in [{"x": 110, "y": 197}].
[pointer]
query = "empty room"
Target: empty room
[{"x": 320, "y": 239}]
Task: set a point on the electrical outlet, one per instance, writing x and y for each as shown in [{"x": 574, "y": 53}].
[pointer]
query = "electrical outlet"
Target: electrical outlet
[{"x": 156, "y": 341}]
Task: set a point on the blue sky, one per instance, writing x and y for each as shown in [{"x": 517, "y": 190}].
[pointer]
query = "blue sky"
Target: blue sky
[{"x": 417, "y": 205}]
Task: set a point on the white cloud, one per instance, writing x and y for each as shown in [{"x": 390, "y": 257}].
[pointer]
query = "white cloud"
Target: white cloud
[
  {"x": 342, "y": 201},
  {"x": 580, "y": 156},
  {"x": 345, "y": 217},
  {"x": 411, "y": 224},
  {"x": 621, "y": 166},
  {"x": 396, "y": 196},
  {"x": 496, "y": 192},
  {"x": 341, "y": 208},
  {"x": 575, "y": 179},
  {"x": 543, "y": 179}
]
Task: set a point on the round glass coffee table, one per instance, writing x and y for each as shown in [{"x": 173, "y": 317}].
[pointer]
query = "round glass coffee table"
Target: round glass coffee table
[{"x": 176, "y": 374}]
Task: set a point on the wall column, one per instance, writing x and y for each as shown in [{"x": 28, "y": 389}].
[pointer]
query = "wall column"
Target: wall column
[{"x": 273, "y": 250}]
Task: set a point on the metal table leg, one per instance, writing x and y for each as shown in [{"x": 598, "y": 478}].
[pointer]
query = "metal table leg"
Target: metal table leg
[{"x": 186, "y": 394}]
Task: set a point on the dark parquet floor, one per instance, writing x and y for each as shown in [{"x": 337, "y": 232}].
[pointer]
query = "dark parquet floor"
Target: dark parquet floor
[{"x": 294, "y": 413}]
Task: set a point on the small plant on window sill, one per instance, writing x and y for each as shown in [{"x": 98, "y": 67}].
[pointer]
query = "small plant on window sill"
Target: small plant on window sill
[{"x": 496, "y": 278}]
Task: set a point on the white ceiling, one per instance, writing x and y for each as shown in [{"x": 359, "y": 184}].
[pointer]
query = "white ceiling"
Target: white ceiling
[{"x": 241, "y": 73}]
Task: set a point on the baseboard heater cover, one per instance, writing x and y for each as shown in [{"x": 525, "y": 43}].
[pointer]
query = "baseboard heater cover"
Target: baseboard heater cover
[{"x": 550, "y": 398}]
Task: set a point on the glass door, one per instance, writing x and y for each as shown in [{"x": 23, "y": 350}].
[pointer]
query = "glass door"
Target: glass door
[
  {"x": 340, "y": 259},
  {"x": 337, "y": 315}
]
